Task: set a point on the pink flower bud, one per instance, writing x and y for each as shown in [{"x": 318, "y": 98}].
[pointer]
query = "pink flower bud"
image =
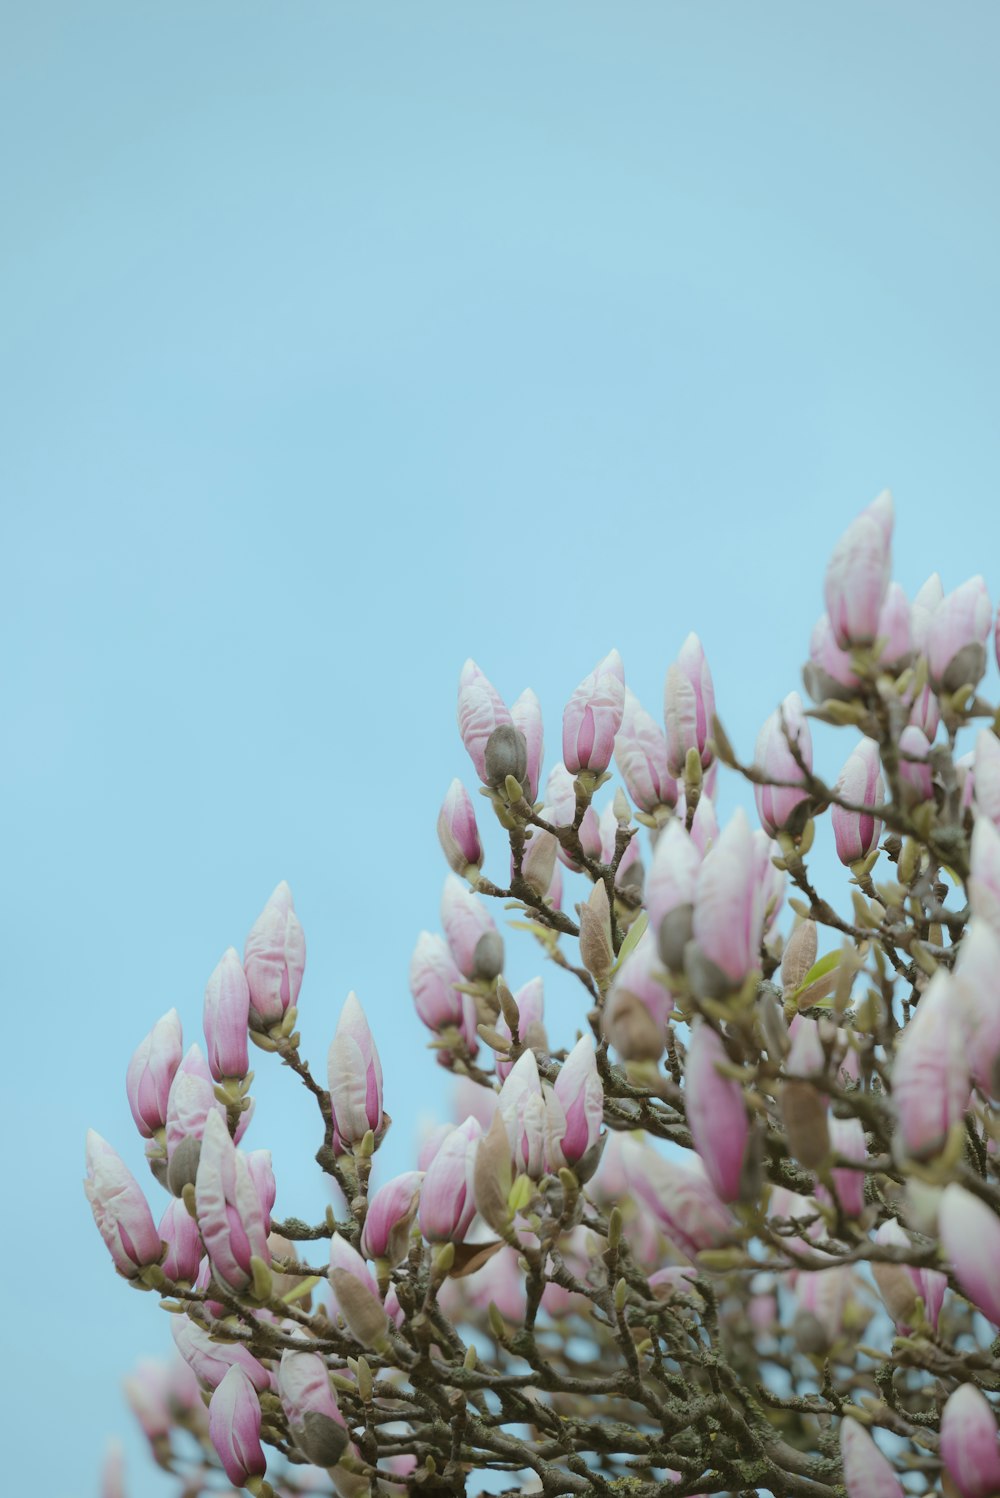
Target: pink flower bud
[
  {"x": 770, "y": 880},
  {"x": 704, "y": 823},
  {"x": 847, "y": 1138},
  {"x": 147, "y": 1389},
  {"x": 984, "y": 872},
  {"x": 987, "y": 775},
  {"x": 526, "y": 715},
  {"x": 274, "y": 958},
  {"x": 895, "y": 628},
  {"x": 354, "y": 1073},
  {"x": 447, "y": 1202},
  {"x": 860, "y": 782},
  {"x": 574, "y": 1109},
  {"x": 227, "y": 1010},
  {"x": 471, "y": 1099},
  {"x": 262, "y": 1175},
  {"x": 390, "y": 1214},
  {"x": 120, "y": 1209},
  {"x": 688, "y": 706},
  {"x": 977, "y": 974},
  {"x": 867, "y": 1473},
  {"x": 229, "y": 1211},
  {"x": 434, "y": 980},
  {"x": 530, "y": 1001},
  {"x": 522, "y": 1109},
  {"x": 355, "y": 1294},
  {"x": 716, "y": 1112},
  {"x": 481, "y": 709},
  {"x": 900, "y": 1285},
  {"x": 210, "y": 1361},
  {"x": 234, "y": 1427},
  {"x": 113, "y": 1471},
  {"x": 641, "y": 757},
  {"x": 192, "y": 1099},
  {"x": 857, "y": 575},
  {"x": 970, "y": 1236},
  {"x": 969, "y": 1443},
  {"x": 727, "y": 921},
  {"x": 458, "y": 831},
  {"x": 592, "y": 717},
  {"x": 914, "y": 769},
  {"x": 151, "y": 1071},
  {"x": 179, "y": 1232},
  {"x": 930, "y": 1078},
  {"x": 922, "y": 611},
  {"x": 630, "y": 860},
  {"x": 538, "y": 860},
  {"x": 956, "y": 637},
  {"x": 925, "y": 713},
  {"x": 827, "y": 674},
  {"x": 681, "y": 1199},
  {"x": 669, "y": 892},
  {"x": 475, "y": 942},
  {"x": 314, "y": 1420},
  {"x": 777, "y": 804},
  {"x": 821, "y": 1298}
]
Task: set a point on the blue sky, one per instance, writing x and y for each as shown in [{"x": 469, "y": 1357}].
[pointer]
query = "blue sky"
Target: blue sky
[{"x": 343, "y": 342}]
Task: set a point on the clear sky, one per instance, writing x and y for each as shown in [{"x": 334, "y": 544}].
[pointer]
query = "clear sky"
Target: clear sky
[{"x": 341, "y": 342}]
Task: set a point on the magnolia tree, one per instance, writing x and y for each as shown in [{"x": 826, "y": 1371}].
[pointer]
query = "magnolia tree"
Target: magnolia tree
[{"x": 737, "y": 1229}]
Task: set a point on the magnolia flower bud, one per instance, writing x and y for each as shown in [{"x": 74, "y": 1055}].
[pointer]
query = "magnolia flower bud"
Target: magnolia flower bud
[
  {"x": 984, "y": 872},
  {"x": 969, "y": 1443},
  {"x": 227, "y": 1010},
  {"x": 716, "y": 1112},
  {"x": 593, "y": 716},
  {"x": 355, "y": 1294},
  {"x": 538, "y": 862},
  {"x": 987, "y": 775},
  {"x": 803, "y": 1107},
  {"x": 192, "y": 1099},
  {"x": 481, "y": 710},
  {"x": 505, "y": 756},
  {"x": 641, "y": 757},
  {"x": 179, "y": 1231},
  {"x": 860, "y": 782},
  {"x": 530, "y": 1001},
  {"x": 915, "y": 774},
  {"x": 828, "y": 675},
  {"x": 527, "y": 716},
  {"x": 900, "y": 1285},
  {"x": 574, "y": 1109},
  {"x": 867, "y": 1473},
  {"x": 522, "y": 1108},
  {"x": 458, "y": 832},
  {"x": 680, "y": 1198},
  {"x": 274, "y": 960},
  {"x": 596, "y": 946},
  {"x": 151, "y": 1071},
  {"x": 120, "y": 1209},
  {"x": 434, "y": 981},
  {"x": 669, "y": 892},
  {"x": 778, "y": 805},
  {"x": 447, "y": 1201},
  {"x": 354, "y": 1073},
  {"x": 727, "y": 921},
  {"x": 930, "y": 1076},
  {"x": 229, "y": 1211},
  {"x": 234, "y": 1427},
  {"x": 314, "y": 1420},
  {"x": 147, "y": 1391},
  {"x": 390, "y": 1214},
  {"x": 970, "y": 1236},
  {"x": 847, "y": 1138},
  {"x": 977, "y": 976},
  {"x": 821, "y": 1298},
  {"x": 956, "y": 637},
  {"x": 922, "y": 611},
  {"x": 799, "y": 955},
  {"x": 895, "y": 629},
  {"x": 638, "y": 1005},
  {"x": 857, "y": 575},
  {"x": 210, "y": 1361},
  {"x": 475, "y": 942},
  {"x": 688, "y": 706}
]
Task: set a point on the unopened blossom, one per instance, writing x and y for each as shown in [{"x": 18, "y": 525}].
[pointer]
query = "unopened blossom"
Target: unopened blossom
[
  {"x": 226, "y": 1018},
  {"x": 828, "y": 673},
  {"x": 354, "y": 1075},
  {"x": 593, "y": 716},
  {"x": 922, "y": 611},
  {"x": 120, "y": 1209},
  {"x": 925, "y": 712},
  {"x": 151, "y": 1071},
  {"x": 977, "y": 976},
  {"x": 915, "y": 773},
  {"x": 821, "y": 1298},
  {"x": 314, "y": 1420},
  {"x": 229, "y": 1210},
  {"x": 210, "y": 1360},
  {"x": 560, "y": 811},
  {"x": 274, "y": 960},
  {"x": 770, "y": 880},
  {"x": 179, "y": 1231},
  {"x": 641, "y": 757},
  {"x": 458, "y": 831},
  {"x": 526, "y": 715},
  {"x": 234, "y": 1420},
  {"x": 481, "y": 710},
  {"x": 930, "y": 1073},
  {"x": 638, "y": 1005},
  {"x": 716, "y": 1112},
  {"x": 390, "y": 1214},
  {"x": 969, "y": 1443},
  {"x": 727, "y": 919},
  {"x": 681, "y": 1199},
  {"x": 530, "y": 1001},
  {"x": 447, "y": 1201},
  {"x": 113, "y": 1471},
  {"x": 434, "y": 980},
  {"x": 355, "y": 1294},
  {"x": 147, "y": 1390},
  {"x": 956, "y": 637},
  {"x": 538, "y": 860},
  {"x": 970, "y": 1238},
  {"x": 778, "y": 804},
  {"x": 192, "y": 1099},
  {"x": 984, "y": 872},
  {"x": 669, "y": 892},
  {"x": 522, "y": 1108},
  {"x": 847, "y": 1138},
  {"x": 262, "y": 1175},
  {"x": 867, "y": 1473},
  {"x": 857, "y": 575},
  {"x": 688, "y": 707},
  {"x": 860, "y": 783},
  {"x": 895, "y": 630},
  {"x": 475, "y": 942},
  {"x": 987, "y": 775},
  {"x": 574, "y": 1109},
  {"x": 900, "y": 1285}
]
